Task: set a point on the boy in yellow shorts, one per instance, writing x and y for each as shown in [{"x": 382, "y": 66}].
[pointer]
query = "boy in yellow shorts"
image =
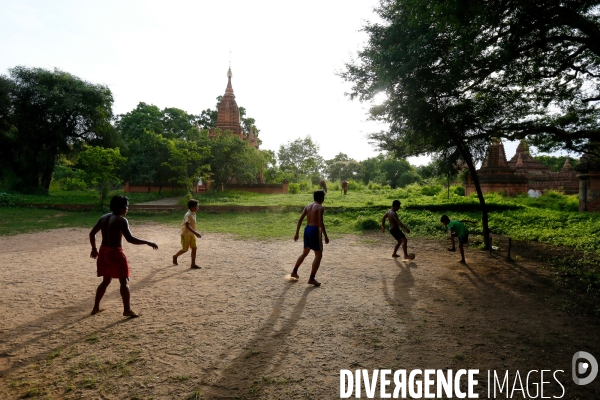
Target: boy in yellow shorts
[{"x": 189, "y": 233}]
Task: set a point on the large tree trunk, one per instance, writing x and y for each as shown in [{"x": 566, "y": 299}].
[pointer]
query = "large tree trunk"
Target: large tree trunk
[{"x": 484, "y": 212}]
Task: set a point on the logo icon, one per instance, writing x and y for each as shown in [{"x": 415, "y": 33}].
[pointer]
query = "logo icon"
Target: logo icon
[{"x": 585, "y": 368}]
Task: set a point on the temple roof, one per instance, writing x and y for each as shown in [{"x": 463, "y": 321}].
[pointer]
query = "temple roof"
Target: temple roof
[
  {"x": 531, "y": 165},
  {"x": 228, "y": 116}
]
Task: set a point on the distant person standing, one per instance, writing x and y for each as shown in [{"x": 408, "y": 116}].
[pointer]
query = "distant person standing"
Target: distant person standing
[
  {"x": 345, "y": 187},
  {"x": 189, "y": 233},
  {"x": 323, "y": 185},
  {"x": 395, "y": 225},
  {"x": 313, "y": 235},
  {"x": 111, "y": 261}
]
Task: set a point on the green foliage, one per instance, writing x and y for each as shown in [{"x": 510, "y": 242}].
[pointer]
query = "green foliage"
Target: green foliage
[
  {"x": 301, "y": 158},
  {"x": 101, "y": 167},
  {"x": 367, "y": 224},
  {"x": 294, "y": 188},
  {"x": 48, "y": 114},
  {"x": 71, "y": 184}
]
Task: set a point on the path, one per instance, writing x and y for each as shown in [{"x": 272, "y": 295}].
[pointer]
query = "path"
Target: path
[{"x": 237, "y": 329}]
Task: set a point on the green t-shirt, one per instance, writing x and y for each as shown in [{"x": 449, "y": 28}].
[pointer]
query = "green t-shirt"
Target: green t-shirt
[{"x": 458, "y": 228}]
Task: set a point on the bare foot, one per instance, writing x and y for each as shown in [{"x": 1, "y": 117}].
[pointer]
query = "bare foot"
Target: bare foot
[
  {"x": 175, "y": 260},
  {"x": 395, "y": 255},
  {"x": 462, "y": 261},
  {"x": 294, "y": 275},
  {"x": 314, "y": 282},
  {"x": 451, "y": 249},
  {"x": 130, "y": 314},
  {"x": 96, "y": 311},
  {"x": 405, "y": 259},
  {"x": 195, "y": 266}
]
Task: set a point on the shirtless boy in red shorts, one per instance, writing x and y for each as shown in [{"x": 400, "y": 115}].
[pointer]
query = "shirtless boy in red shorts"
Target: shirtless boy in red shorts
[
  {"x": 111, "y": 260},
  {"x": 315, "y": 228}
]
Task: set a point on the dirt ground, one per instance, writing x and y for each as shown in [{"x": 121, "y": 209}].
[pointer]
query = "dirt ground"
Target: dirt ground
[{"x": 237, "y": 329}]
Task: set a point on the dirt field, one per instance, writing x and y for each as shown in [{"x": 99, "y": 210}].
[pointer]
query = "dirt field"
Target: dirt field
[{"x": 237, "y": 329}]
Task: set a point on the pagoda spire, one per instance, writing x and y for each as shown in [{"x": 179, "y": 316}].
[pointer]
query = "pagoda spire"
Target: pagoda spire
[{"x": 229, "y": 89}]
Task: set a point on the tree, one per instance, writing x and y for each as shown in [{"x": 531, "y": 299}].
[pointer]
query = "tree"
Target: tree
[
  {"x": 232, "y": 159},
  {"x": 101, "y": 167},
  {"x": 50, "y": 113},
  {"x": 301, "y": 158},
  {"x": 342, "y": 168},
  {"x": 187, "y": 162}
]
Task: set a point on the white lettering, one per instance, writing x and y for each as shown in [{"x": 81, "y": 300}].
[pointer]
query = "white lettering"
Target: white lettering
[
  {"x": 563, "y": 388},
  {"x": 517, "y": 378},
  {"x": 412, "y": 384},
  {"x": 384, "y": 383},
  {"x": 534, "y": 384},
  {"x": 459, "y": 373},
  {"x": 357, "y": 382},
  {"x": 400, "y": 384},
  {"x": 443, "y": 383},
  {"x": 472, "y": 383},
  {"x": 427, "y": 383},
  {"x": 497, "y": 383},
  {"x": 346, "y": 393},
  {"x": 542, "y": 384},
  {"x": 370, "y": 386}
]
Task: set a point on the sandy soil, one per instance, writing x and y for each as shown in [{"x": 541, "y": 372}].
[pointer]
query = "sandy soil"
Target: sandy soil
[{"x": 237, "y": 329}]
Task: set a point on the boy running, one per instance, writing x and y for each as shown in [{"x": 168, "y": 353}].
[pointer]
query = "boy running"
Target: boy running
[
  {"x": 111, "y": 261},
  {"x": 395, "y": 231},
  {"x": 313, "y": 232},
  {"x": 189, "y": 233},
  {"x": 458, "y": 230}
]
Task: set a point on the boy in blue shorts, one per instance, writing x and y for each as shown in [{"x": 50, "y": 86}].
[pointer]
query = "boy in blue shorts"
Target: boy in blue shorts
[
  {"x": 189, "y": 233},
  {"x": 313, "y": 232},
  {"x": 457, "y": 230},
  {"x": 395, "y": 231}
]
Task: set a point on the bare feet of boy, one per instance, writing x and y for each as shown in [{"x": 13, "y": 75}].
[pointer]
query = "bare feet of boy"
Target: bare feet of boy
[
  {"x": 395, "y": 255},
  {"x": 462, "y": 261},
  {"x": 296, "y": 276},
  {"x": 195, "y": 266},
  {"x": 97, "y": 310},
  {"x": 451, "y": 249},
  {"x": 130, "y": 314},
  {"x": 175, "y": 260},
  {"x": 314, "y": 282}
]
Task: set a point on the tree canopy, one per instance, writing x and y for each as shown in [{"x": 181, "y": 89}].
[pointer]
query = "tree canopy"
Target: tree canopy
[{"x": 47, "y": 113}]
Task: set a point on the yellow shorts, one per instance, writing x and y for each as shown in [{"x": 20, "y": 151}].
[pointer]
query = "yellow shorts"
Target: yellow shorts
[{"x": 188, "y": 241}]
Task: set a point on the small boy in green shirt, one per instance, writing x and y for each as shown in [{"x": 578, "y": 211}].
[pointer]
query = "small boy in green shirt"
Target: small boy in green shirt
[{"x": 458, "y": 230}]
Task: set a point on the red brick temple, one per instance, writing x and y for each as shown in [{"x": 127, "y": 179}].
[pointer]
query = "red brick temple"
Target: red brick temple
[
  {"x": 521, "y": 173},
  {"x": 228, "y": 116}
]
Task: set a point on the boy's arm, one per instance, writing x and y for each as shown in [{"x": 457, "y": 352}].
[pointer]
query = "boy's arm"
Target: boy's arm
[
  {"x": 299, "y": 224},
  {"x": 323, "y": 225},
  {"x": 132, "y": 239},
  {"x": 383, "y": 222},
  {"x": 401, "y": 225},
  {"x": 187, "y": 225},
  {"x": 93, "y": 232}
]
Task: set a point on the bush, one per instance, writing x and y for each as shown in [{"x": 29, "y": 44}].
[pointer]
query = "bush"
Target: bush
[
  {"x": 356, "y": 186},
  {"x": 70, "y": 184},
  {"x": 6, "y": 200},
  {"x": 367, "y": 224},
  {"x": 306, "y": 187},
  {"x": 457, "y": 190},
  {"x": 294, "y": 188},
  {"x": 431, "y": 190}
]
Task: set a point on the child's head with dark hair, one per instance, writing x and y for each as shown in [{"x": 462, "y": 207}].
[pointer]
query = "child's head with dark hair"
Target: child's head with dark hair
[
  {"x": 396, "y": 204},
  {"x": 445, "y": 220},
  {"x": 319, "y": 196},
  {"x": 118, "y": 203},
  {"x": 192, "y": 203}
]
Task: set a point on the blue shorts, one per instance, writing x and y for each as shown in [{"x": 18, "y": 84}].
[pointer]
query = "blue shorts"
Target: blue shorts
[{"x": 312, "y": 238}]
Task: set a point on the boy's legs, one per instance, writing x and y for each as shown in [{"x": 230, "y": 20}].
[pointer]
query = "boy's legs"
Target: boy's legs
[
  {"x": 126, "y": 295},
  {"x": 100, "y": 293},
  {"x": 395, "y": 253},
  {"x": 315, "y": 267},
  {"x": 462, "y": 252},
  {"x": 404, "y": 246},
  {"x": 180, "y": 252},
  {"x": 453, "y": 246},
  {"x": 300, "y": 261},
  {"x": 194, "y": 259}
]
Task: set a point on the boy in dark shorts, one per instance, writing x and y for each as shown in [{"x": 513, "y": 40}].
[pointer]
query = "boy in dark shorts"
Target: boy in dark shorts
[
  {"x": 111, "y": 260},
  {"x": 313, "y": 232},
  {"x": 395, "y": 231},
  {"x": 457, "y": 230}
]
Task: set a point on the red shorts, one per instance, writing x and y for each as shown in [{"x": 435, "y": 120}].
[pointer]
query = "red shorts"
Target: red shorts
[{"x": 112, "y": 262}]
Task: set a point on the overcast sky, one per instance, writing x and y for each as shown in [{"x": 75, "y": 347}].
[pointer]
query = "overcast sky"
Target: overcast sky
[{"x": 284, "y": 59}]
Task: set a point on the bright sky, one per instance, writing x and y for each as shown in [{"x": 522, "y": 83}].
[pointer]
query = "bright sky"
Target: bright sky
[{"x": 284, "y": 59}]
